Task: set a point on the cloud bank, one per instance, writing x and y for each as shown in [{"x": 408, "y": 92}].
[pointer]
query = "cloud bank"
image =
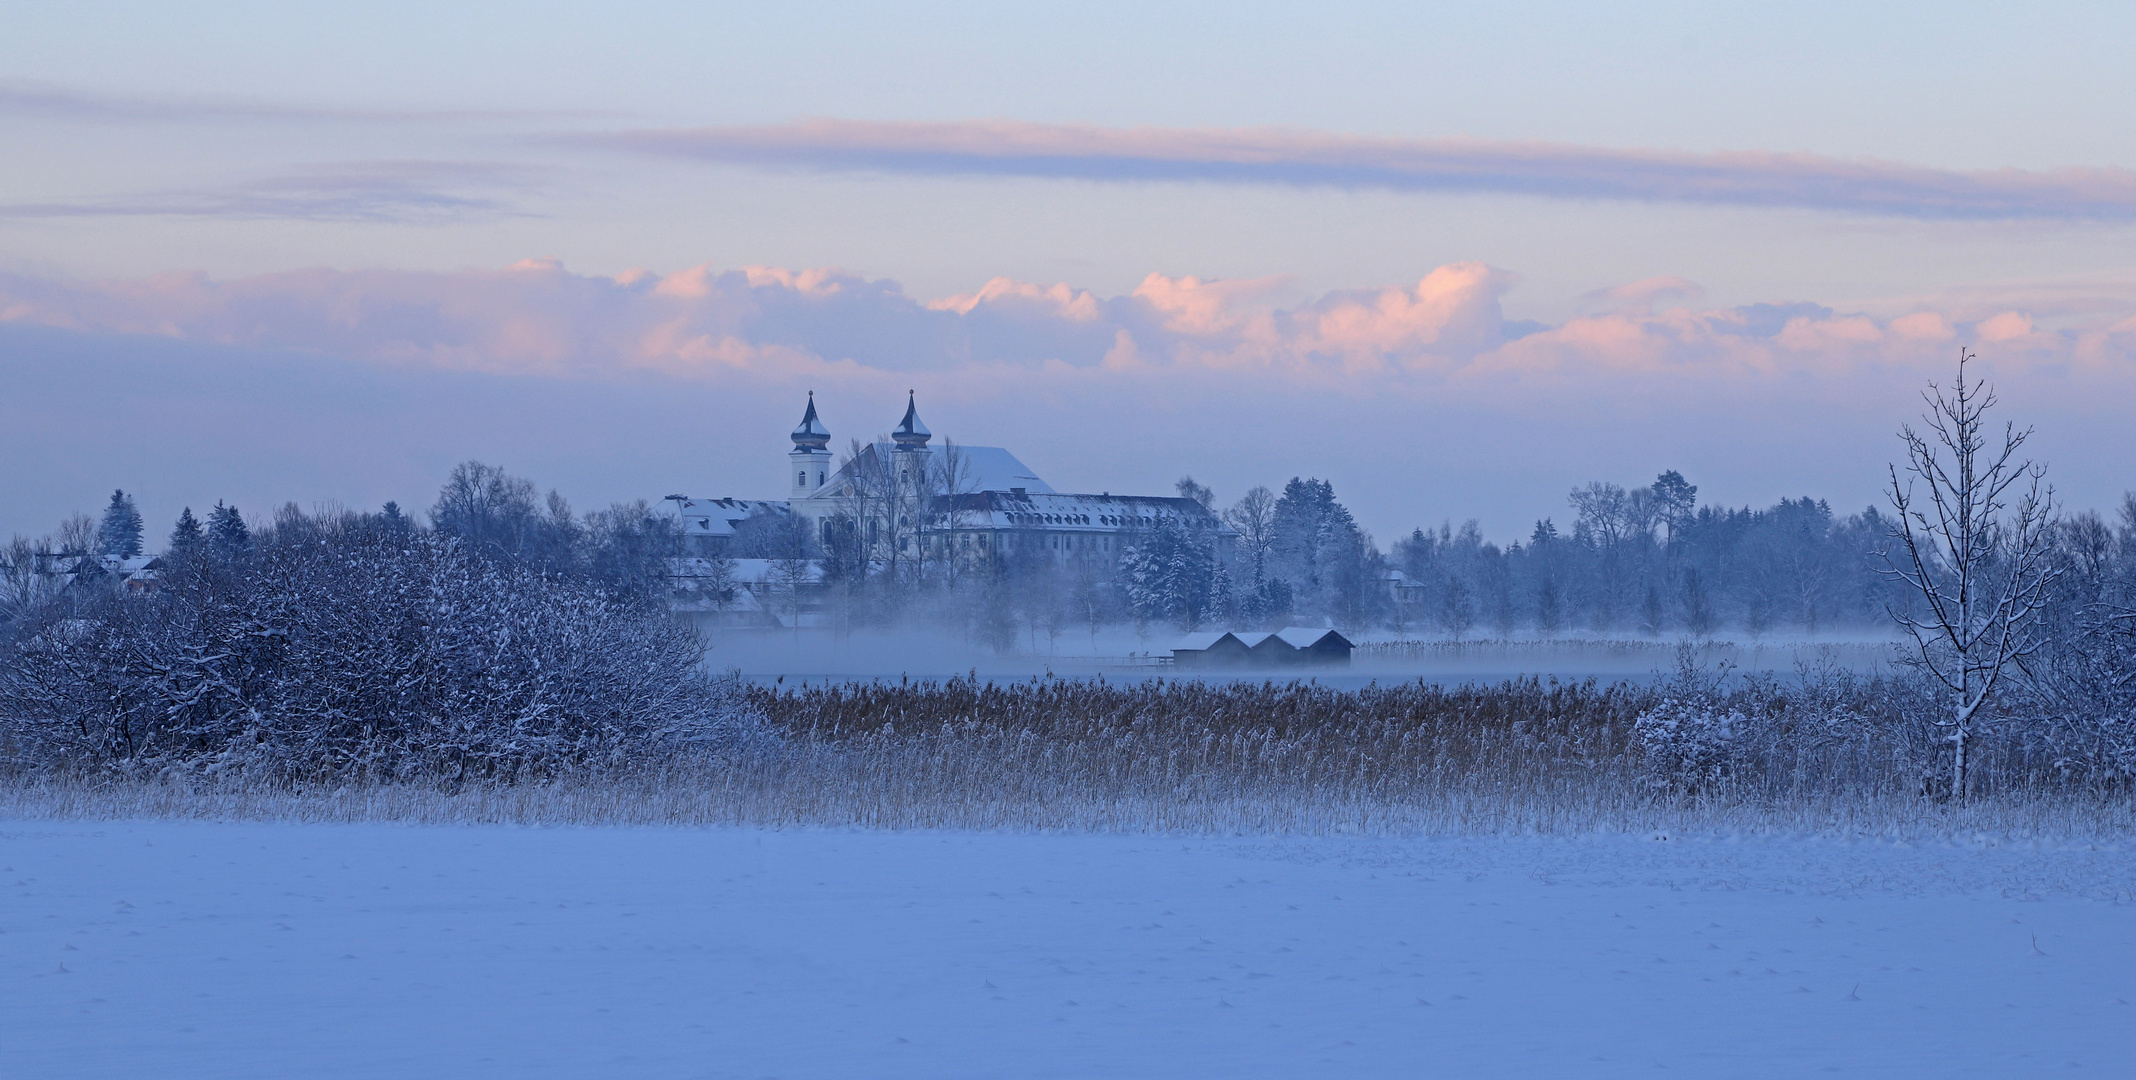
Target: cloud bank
[
  {"x": 1310, "y": 158},
  {"x": 537, "y": 318}
]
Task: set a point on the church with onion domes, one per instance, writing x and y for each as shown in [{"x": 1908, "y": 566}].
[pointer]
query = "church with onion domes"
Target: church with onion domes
[{"x": 915, "y": 499}]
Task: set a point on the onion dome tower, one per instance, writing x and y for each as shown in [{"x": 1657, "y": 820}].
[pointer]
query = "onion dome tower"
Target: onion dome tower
[
  {"x": 809, "y": 464},
  {"x": 912, "y": 454}
]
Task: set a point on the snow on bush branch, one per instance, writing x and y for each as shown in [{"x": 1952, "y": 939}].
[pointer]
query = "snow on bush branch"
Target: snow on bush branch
[{"x": 354, "y": 647}]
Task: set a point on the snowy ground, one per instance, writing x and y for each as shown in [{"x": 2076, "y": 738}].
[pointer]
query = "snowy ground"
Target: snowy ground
[{"x": 160, "y": 949}]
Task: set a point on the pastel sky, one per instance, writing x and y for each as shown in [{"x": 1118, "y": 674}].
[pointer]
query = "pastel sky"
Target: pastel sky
[{"x": 1456, "y": 258}]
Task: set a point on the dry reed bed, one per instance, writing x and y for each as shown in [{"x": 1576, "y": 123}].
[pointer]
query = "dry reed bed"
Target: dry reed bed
[{"x": 1522, "y": 757}]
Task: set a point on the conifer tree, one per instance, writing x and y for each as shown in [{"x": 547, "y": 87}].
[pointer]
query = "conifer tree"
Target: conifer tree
[
  {"x": 120, "y": 532},
  {"x": 227, "y": 534},
  {"x": 187, "y": 536}
]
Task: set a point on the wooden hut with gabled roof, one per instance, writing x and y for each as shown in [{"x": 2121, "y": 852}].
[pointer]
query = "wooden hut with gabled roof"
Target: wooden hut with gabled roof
[
  {"x": 1217, "y": 650},
  {"x": 1290, "y": 647},
  {"x": 1316, "y": 646}
]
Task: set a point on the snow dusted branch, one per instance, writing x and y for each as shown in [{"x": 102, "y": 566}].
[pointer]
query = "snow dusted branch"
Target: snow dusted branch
[{"x": 1978, "y": 563}]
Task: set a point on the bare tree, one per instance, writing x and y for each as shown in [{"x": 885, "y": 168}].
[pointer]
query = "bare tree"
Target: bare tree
[
  {"x": 75, "y": 536},
  {"x": 1979, "y": 562},
  {"x": 1254, "y": 516},
  {"x": 1189, "y": 489},
  {"x": 488, "y": 509},
  {"x": 953, "y": 479},
  {"x": 870, "y": 497},
  {"x": 1604, "y": 513},
  {"x": 712, "y": 579},
  {"x": 28, "y": 579},
  {"x": 1457, "y": 612},
  {"x": 792, "y": 568}
]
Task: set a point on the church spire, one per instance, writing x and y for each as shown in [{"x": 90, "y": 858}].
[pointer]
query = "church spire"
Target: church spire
[
  {"x": 809, "y": 463},
  {"x": 811, "y": 435},
  {"x": 910, "y": 433}
]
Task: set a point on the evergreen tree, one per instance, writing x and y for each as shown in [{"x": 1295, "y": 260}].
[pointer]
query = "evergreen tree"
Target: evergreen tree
[
  {"x": 1698, "y": 608},
  {"x": 1267, "y": 605},
  {"x": 187, "y": 536},
  {"x": 1548, "y": 608},
  {"x": 1223, "y": 605},
  {"x": 1678, "y": 499},
  {"x": 1170, "y": 576},
  {"x": 120, "y": 533},
  {"x": 1457, "y": 612},
  {"x": 227, "y": 534},
  {"x": 1316, "y": 541}
]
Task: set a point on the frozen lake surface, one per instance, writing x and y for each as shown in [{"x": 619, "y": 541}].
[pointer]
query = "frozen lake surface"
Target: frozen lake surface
[{"x": 175, "y": 949}]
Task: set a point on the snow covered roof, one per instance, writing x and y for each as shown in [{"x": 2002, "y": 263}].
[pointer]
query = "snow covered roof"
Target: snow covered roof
[
  {"x": 767, "y": 571},
  {"x": 811, "y": 435},
  {"x": 995, "y": 469},
  {"x": 985, "y": 468},
  {"x": 745, "y": 571},
  {"x": 1305, "y": 637},
  {"x": 1201, "y": 642},
  {"x": 718, "y": 517},
  {"x": 1058, "y": 512},
  {"x": 131, "y": 567},
  {"x": 910, "y": 430}
]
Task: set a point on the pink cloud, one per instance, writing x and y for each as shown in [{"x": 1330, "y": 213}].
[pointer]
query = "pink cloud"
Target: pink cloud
[
  {"x": 1002, "y": 292},
  {"x": 1644, "y": 294},
  {"x": 2008, "y": 326},
  {"x": 1451, "y": 315},
  {"x": 1923, "y": 326},
  {"x": 537, "y": 317}
]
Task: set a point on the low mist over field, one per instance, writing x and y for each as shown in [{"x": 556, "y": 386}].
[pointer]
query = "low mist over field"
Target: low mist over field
[{"x": 952, "y": 541}]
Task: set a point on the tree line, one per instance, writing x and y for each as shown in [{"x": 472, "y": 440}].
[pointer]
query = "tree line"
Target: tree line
[{"x": 506, "y": 639}]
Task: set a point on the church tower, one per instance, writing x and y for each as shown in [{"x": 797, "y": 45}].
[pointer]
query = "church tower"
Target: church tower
[
  {"x": 912, "y": 455},
  {"x": 809, "y": 465}
]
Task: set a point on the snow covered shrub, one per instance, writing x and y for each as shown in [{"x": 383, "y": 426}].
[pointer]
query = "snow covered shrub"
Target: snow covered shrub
[
  {"x": 342, "y": 648},
  {"x": 2082, "y": 688},
  {"x": 1690, "y": 746},
  {"x": 1829, "y": 729}
]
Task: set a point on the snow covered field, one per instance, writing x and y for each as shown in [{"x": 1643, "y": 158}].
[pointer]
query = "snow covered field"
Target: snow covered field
[{"x": 181, "y": 949}]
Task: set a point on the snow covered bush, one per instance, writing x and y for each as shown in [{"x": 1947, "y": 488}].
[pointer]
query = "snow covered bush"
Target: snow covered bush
[
  {"x": 1690, "y": 746},
  {"x": 1829, "y": 728},
  {"x": 346, "y": 647},
  {"x": 2082, "y": 689}
]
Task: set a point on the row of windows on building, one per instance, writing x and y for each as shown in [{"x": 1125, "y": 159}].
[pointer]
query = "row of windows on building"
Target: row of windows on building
[
  {"x": 1113, "y": 521},
  {"x": 1052, "y": 541}
]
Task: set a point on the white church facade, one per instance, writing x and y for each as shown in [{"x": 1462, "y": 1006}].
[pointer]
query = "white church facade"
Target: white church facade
[{"x": 978, "y": 503}]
